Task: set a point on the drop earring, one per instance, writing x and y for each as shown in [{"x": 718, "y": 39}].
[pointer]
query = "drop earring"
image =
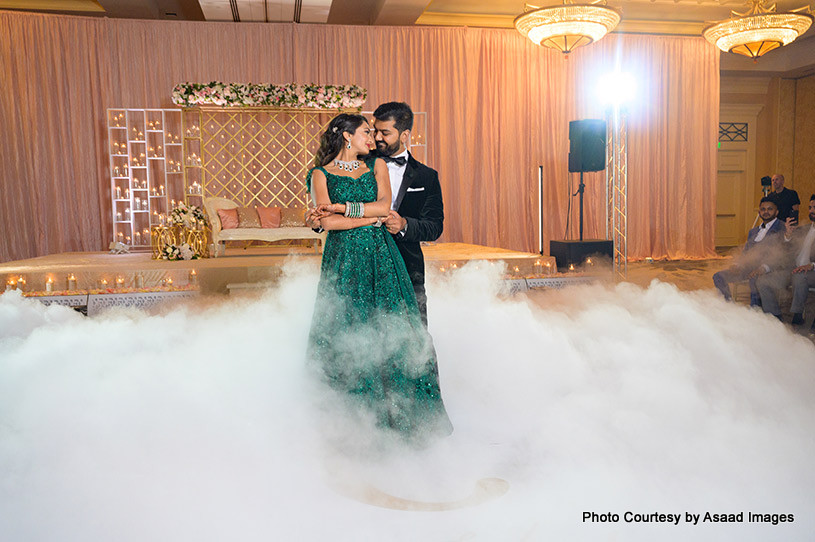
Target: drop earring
[{"x": 348, "y": 146}]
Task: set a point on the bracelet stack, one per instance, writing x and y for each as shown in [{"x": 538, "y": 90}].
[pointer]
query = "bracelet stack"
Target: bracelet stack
[{"x": 354, "y": 209}]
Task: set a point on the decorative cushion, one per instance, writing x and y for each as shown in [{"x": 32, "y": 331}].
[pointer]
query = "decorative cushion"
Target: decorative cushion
[
  {"x": 292, "y": 216},
  {"x": 248, "y": 217},
  {"x": 228, "y": 218},
  {"x": 269, "y": 217}
]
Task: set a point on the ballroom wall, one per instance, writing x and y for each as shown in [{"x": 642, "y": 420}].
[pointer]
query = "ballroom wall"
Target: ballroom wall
[
  {"x": 497, "y": 105},
  {"x": 785, "y": 135},
  {"x": 804, "y": 159}
]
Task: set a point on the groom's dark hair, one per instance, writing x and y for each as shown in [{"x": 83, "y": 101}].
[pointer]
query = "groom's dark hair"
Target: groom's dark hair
[{"x": 399, "y": 112}]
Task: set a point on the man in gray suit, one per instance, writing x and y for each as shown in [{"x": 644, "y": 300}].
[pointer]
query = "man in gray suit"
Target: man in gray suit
[
  {"x": 757, "y": 251},
  {"x": 797, "y": 266}
]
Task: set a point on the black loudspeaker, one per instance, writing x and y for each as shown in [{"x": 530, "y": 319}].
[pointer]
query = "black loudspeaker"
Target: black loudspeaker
[
  {"x": 587, "y": 145},
  {"x": 576, "y": 252}
]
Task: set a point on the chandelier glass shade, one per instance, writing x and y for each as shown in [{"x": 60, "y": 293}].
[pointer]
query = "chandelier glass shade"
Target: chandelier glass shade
[
  {"x": 568, "y": 26},
  {"x": 758, "y": 31}
]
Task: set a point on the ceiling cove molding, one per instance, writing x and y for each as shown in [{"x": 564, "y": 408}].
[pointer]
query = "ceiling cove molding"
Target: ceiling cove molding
[
  {"x": 744, "y": 85},
  {"x": 53, "y": 5}
]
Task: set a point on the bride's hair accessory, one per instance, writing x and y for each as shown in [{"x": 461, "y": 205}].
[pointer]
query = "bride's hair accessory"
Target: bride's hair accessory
[
  {"x": 354, "y": 209},
  {"x": 334, "y": 129},
  {"x": 353, "y": 165}
]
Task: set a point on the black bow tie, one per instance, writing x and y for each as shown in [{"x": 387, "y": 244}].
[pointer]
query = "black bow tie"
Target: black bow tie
[{"x": 399, "y": 160}]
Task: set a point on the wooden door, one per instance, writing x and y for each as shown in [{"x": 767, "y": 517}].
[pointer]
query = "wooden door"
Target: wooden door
[{"x": 731, "y": 183}]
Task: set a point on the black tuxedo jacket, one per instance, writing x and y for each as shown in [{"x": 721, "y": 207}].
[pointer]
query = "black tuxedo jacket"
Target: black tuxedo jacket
[{"x": 419, "y": 202}]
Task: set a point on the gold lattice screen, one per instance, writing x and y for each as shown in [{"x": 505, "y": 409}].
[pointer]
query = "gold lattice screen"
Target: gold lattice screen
[{"x": 253, "y": 156}]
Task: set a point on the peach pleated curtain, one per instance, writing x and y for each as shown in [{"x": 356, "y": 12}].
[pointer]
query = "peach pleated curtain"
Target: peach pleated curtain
[{"x": 497, "y": 107}]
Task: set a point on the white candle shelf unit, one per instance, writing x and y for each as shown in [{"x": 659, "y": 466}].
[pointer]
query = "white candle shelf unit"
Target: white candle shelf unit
[{"x": 146, "y": 175}]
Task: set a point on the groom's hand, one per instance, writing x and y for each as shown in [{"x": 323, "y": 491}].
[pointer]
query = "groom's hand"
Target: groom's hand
[
  {"x": 313, "y": 216},
  {"x": 395, "y": 222}
]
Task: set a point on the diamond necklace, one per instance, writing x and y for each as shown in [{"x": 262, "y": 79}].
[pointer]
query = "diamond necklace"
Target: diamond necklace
[{"x": 353, "y": 165}]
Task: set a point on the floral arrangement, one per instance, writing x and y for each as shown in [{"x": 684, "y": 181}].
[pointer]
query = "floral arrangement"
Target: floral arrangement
[
  {"x": 187, "y": 216},
  {"x": 178, "y": 252},
  {"x": 290, "y": 95}
]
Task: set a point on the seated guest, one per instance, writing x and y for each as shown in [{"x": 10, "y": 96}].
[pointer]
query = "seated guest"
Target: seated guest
[
  {"x": 785, "y": 198},
  {"x": 753, "y": 256},
  {"x": 797, "y": 266}
]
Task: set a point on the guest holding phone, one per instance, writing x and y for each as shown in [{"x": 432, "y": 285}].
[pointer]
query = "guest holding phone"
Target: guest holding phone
[{"x": 797, "y": 267}]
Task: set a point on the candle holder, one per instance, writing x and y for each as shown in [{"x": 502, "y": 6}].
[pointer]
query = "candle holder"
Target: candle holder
[
  {"x": 49, "y": 285},
  {"x": 70, "y": 282}
]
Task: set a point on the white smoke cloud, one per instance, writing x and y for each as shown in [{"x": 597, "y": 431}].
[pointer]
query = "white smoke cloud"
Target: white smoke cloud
[{"x": 202, "y": 422}]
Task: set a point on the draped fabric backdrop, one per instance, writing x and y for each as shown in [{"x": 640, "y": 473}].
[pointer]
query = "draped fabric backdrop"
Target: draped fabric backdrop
[{"x": 497, "y": 106}]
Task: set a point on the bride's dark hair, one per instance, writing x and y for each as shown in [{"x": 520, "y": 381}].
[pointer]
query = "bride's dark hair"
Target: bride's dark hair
[{"x": 331, "y": 142}]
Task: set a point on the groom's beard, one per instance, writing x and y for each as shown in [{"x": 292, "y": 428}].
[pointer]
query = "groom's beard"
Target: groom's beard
[{"x": 386, "y": 150}]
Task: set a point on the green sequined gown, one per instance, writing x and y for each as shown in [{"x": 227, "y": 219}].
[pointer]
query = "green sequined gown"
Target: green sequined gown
[{"x": 367, "y": 335}]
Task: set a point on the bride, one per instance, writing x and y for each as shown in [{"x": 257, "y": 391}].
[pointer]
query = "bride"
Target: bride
[{"x": 367, "y": 335}]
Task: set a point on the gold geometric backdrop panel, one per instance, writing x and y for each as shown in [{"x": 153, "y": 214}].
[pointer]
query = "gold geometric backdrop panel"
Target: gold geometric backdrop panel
[{"x": 260, "y": 156}]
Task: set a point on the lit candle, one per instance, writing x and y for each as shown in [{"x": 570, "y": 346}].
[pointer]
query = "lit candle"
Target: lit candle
[
  {"x": 71, "y": 282},
  {"x": 168, "y": 282},
  {"x": 172, "y": 202},
  {"x": 571, "y": 267},
  {"x": 161, "y": 189},
  {"x": 193, "y": 277},
  {"x": 139, "y": 280},
  {"x": 49, "y": 285},
  {"x": 127, "y": 240},
  {"x": 119, "y": 217},
  {"x": 21, "y": 283},
  {"x": 137, "y": 238},
  {"x": 11, "y": 284},
  {"x": 118, "y": 192},
  {"x": 138, "y": 203},
  {"x": 103, "y": 284},
  {"x": 120, "y": 282},
  {"x": 548, "y": 266},
  {"x": 588, "y": 261},
  {"x": 121, "y": 237},
  {"x": 127, "y": 193},
  {"x": 127, "y": 213},
  {"x": 537, "y": 267}
]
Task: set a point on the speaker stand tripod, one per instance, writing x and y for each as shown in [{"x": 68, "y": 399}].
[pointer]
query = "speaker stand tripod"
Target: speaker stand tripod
[{"x": 580, "y": 189}]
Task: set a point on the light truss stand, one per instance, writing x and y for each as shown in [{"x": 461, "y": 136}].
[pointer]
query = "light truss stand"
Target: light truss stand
[{"x": 617, "y": 190}]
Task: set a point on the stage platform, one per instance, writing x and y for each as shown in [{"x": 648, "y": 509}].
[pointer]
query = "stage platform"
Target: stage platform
[{"x": 138, "y": 272}]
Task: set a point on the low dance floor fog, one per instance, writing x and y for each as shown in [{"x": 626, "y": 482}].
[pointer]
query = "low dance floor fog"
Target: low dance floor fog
[{"x": 201, "y": 423}]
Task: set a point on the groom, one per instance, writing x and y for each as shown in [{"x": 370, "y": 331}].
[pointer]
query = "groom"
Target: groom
[{"x": 417, "y": 210}]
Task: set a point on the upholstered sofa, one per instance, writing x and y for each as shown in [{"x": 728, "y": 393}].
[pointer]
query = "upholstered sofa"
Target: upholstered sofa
[{"x": 284, "y": 232}]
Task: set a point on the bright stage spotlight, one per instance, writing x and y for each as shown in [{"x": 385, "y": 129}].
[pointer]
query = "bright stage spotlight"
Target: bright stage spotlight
[{"x": 617, "y": 89}]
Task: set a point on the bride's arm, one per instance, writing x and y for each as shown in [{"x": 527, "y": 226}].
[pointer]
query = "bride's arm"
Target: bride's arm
[
  {"x": 382, "y": 205},
  {"x": 334, "y": 221}
]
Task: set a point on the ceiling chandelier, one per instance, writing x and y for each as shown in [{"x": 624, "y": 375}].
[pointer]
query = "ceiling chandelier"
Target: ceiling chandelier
[
  {"x": 568, "y": 26},
  {"x": 759, "y": 30}
]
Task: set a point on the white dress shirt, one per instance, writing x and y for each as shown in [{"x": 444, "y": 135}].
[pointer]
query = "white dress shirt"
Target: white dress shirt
[
  {"x": 762, "y": 231},
  {"x": 396, "y": 173},
  {"x": 805, "y": 255}
]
